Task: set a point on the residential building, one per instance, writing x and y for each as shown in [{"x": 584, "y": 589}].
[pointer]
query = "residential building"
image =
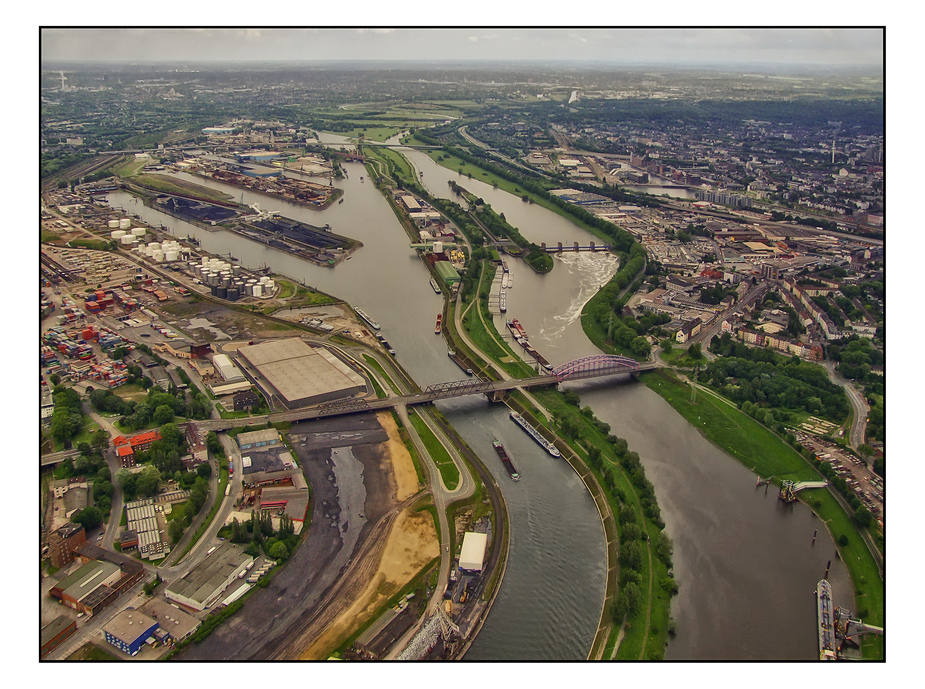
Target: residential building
[{"x": 63, "y": 542}]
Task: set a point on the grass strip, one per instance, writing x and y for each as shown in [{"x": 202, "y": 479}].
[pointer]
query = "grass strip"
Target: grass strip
[{"x": 438, "y": 453}]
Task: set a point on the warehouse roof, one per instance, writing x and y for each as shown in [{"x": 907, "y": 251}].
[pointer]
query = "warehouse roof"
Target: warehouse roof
[
  {"x": 201, "y": 582},
  {"x": 473, "y": 550},
  {"x": 128, "y": 625},
  {"x": 87, "y": 579},
  {"x": 299, "y": 372},
  {"x": 267, "y": 435}
]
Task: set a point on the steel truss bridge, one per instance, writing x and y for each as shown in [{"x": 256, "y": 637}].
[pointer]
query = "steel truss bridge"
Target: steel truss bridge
[{"x": 587, "y": 367}]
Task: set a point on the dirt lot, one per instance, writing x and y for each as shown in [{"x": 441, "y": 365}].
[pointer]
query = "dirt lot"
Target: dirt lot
[
  {"x": 411, "y": 544},
  {"x": 355, "y": 492}
]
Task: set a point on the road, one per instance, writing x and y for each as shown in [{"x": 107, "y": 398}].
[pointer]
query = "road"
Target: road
[{"x": 858, "y": 432}]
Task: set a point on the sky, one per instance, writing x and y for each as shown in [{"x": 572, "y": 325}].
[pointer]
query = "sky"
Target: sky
[{"x": 694, "y": 46}]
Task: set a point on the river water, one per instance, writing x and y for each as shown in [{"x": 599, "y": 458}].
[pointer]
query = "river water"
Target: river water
[{"x": 744, "y": 564}]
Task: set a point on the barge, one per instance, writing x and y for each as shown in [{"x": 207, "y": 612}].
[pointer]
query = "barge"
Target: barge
[
  {"x": 433, "y": 283},
  {"x": 505, "y": 460},
  {"x": 439, "y": 327},
  {"x": 459, "y": 361},
  {"x": 535, "y": 434},
  {"x": 366, "y": 317}
]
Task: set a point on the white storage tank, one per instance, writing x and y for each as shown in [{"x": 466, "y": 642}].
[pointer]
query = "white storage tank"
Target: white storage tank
[
  {"x": 270, "y": 286},
  {"x": 117, "y": 234},
  {"x": 158, "y": 256},
  {"x": 170, "y": 256},
  {"x": 438, "y": 247},
  {"x": 113, "y": 224},
  {"x": 128, "y": 239},
  {"x": 124, "y": 223},
  {"x": 258, "y": 290},
  {"x": 139, "y": 231}
]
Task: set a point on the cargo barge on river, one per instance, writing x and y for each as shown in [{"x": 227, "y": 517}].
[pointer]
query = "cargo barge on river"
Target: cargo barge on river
[
  {"x": 535, "y": 434},
  {"x": 366, "y": 317},
  {"x": 505, "y": 460}
]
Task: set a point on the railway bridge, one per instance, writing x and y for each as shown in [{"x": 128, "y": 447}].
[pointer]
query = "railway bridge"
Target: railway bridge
[{"x": 586, "y": 367}]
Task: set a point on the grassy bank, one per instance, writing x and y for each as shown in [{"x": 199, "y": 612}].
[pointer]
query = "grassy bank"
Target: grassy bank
[
  {"x": 438, "y": 453},
  {"x": 764, "y": 453}
]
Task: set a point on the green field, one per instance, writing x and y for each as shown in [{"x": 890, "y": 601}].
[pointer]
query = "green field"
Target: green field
[
  {"x": 170, "y": 185},
  {"x": 438, "y": 453}
]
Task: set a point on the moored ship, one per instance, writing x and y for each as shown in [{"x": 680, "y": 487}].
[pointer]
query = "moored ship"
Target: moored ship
[
  {"x": 433, "y": 283},
  {"x": 535, "y": 434},
  {"x": 366, "y": 317},
  {"x": 439, "y": 327}
]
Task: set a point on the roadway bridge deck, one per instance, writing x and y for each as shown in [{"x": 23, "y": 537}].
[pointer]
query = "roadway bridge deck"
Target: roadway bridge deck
[{"x": 588, "y": 367}]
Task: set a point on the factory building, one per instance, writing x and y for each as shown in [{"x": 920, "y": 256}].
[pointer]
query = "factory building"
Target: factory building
[
  {"x": 201, "y": 586},
  {"x": 299, "y": 375},
  {"x": 175, "y": 625},
  {"x": 129, "y": 630},
  {"x": 55, "y": 633},
  {"x": 267, "y": 437},
  {"x": 89, "y": 589},
  {"x": 472, "y": 555}
]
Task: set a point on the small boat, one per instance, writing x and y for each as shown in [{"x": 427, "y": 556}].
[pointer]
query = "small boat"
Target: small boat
[
  {"x": 433, "y": 283},
  {"x": 439, "y": 327}
]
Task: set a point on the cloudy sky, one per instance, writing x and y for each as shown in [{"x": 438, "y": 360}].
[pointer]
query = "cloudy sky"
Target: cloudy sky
[{"x": 662, "y": 45}]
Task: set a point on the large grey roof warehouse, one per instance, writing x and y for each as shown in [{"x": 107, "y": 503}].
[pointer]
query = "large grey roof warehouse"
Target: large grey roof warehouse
[{"x": 301, "y": 374}]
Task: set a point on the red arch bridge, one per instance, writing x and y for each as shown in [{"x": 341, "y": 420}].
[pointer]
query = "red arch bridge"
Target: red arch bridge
[{"x": 586, "y": 367}]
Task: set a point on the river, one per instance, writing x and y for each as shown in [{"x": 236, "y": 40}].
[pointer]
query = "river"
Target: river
[{"x": 743, "y": 562}]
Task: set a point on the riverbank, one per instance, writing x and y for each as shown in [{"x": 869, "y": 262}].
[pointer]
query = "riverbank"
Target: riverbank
[{"x": 760, "y": 450}]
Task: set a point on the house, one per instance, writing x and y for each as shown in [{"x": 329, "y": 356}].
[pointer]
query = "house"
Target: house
[{"x": 689, "y": 329}]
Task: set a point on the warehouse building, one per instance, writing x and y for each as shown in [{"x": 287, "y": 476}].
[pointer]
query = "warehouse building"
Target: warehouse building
[
  {"x": 56, "y": 632},
  {"x": 129, "y": 630},
  {"x": 201, "y": 586},
  {"x": 89, "y": 589},
  {"x": 226, "y": 369},
  {"x": 472, "y": 556},
  {"x": 299, "y": 375},
  {"x": 175, "y": 625},
  {"x": 267, "y": 437}
]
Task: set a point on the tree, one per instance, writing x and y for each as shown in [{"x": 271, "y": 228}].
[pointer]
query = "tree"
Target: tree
[
  {"x": 278, "y": 551},
  {"x": 176, "y": 529},
  {"x": 163, "y": 414},
  {"x": 88, "y": 517},
  {"x": 148, "y": 481},
  {"x": 204, "y": 470},
  {"x": 129, "y": 483}
]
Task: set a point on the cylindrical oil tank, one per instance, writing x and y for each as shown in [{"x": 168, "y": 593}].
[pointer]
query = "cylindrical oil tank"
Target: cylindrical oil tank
[
  {"x": 127, "y": 239},
  {"x": 117, "y": 234},
  {"x": 124, "y": 223},
  {"x": 113, "y": 224},
  {"x": 270, "y": 286},
  {"x": 214, "y": 290},
  {"x": 233, "y": 294},
  {"x": 170, "y": 256},
  {"x": 221, "y": 292},
  {"x": 158, "y": 256},
  {"x": 258, "y": 290},
  {"x": 139, "y": 231}
]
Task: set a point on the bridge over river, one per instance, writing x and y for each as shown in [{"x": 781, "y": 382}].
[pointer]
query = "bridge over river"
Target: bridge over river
[{"x": 587, "y": 367}]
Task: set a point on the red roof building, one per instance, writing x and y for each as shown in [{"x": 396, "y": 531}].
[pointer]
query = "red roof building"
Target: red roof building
[
  {"x": 143, "y": 441},
  {"x": 126, "y": 455}
]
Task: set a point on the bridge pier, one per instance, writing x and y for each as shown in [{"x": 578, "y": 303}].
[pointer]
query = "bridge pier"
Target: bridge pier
[{"x": 496, "y": 395}]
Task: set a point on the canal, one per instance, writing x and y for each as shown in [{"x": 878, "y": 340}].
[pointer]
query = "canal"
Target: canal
[{"x": 743, "y": 562}]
